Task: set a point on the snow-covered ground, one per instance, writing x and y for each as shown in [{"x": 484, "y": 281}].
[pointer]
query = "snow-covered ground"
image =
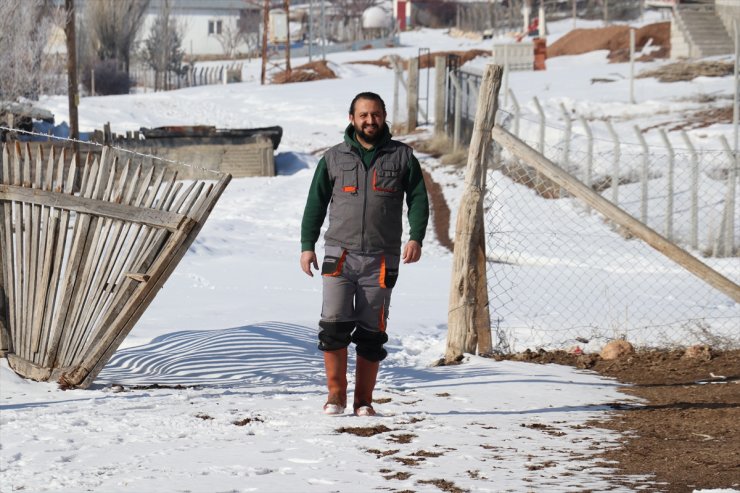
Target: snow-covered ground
[{"x": 232, "y": 335}]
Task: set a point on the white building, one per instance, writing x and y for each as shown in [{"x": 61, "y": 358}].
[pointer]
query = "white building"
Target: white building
[{"x": 210, "y": 27}]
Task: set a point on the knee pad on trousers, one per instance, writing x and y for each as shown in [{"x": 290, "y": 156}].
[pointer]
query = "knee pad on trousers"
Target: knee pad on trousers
[
  {"x": 335, "y": 335},
  {"x": 370, "y": 344}
]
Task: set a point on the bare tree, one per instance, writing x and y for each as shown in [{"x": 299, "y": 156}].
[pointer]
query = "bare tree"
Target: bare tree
[
  {"x": 163, "y": 48},
  {"x": 114, "y": 25},
  {"x": 25, "y": 30},
  {"x": 230, "y": 38}
]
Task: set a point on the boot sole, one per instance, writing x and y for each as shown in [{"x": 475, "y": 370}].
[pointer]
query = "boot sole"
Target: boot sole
[{"x": 333, "y": 409}]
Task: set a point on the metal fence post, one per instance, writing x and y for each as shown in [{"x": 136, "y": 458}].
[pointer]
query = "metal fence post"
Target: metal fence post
[
  {"x": 694, "y": 239},
  {"x": 541, "y": 142},
  {"x": 669, "y": 186},
  {"x": 728, "y": 231},
  {"x": 412, "y": 94},
  {"x": 506, "y": 75},
  {"x": 566, "y": 144},
  {"x": 632, "y": 66},
  {"x": 517, "y": 111},
  {"x": 458, "y": 111},
  {"x": 644, "y": 176},
  {"x": 735, "y": 109},
  {"x": 589, "y": 151},
  {"x": 440, "y": 68},
  {"x": 615, "y": 163}
]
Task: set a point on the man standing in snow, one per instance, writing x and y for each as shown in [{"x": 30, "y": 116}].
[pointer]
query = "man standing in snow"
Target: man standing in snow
[{"x": 364, "y": 179}]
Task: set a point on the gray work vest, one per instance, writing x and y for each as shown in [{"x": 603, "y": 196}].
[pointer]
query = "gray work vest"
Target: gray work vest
[{"x": 365, "y": 214}]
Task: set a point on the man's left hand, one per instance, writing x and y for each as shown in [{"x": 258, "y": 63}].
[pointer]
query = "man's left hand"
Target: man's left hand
[{"x": 411, "y": 252}]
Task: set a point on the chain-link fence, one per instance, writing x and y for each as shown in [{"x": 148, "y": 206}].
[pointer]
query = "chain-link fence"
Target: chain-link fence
[{"x": 562, "y": 275}]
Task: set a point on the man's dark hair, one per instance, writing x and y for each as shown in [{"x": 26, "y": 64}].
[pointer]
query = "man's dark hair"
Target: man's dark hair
[{"x": 366, "y": 95}]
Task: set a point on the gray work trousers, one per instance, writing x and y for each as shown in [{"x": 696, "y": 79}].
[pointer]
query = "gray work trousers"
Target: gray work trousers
[{"x": 357, "y": 287}]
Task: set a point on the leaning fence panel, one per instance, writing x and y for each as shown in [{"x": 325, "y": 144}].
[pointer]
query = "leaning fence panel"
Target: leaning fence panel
[
  {"x": 85, "y": 251},
  {"x": 562, "y": 274}
]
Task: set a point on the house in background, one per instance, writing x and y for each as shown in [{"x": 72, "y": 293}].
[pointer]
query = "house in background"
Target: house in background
[{"x": 212, "y": 27}]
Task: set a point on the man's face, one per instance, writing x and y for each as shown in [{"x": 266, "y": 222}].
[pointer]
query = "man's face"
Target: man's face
[{"x": 368, "y": 120}]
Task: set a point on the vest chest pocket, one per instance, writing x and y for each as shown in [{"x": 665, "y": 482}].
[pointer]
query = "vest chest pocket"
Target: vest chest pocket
[
  {"x": 349, "y": 177},
  {"x": 387, "y": 178}
]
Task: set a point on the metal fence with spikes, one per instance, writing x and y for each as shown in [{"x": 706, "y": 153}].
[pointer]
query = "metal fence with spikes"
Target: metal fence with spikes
[{"x": 84, "y": 250}]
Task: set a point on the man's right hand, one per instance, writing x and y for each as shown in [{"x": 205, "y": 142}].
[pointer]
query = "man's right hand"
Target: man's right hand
[{"x": 308, "y": 258}]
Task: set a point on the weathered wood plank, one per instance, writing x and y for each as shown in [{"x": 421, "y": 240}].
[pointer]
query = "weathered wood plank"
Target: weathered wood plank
[
  {"x": 4, "y": 335},
  {"x": 6, "y": 259},
  {"x": 150, "y": 217},
  {"x": 169, "y": 190},
  {"x": 135, "y": 235},
  {"x": 616, "y": 214},
  {"x": 79, "y": 237},
  {"x": 141, "y": 254},
  {"x": 161, "y": 269},
  {"x": 19, "y": 260},
  {"x": 27, "y": 368},
  {"x": 60, "y": 221},
  {"x": 44, "y": 272},
  {"x": 36, "y": 263},
  {"x": 91, "y": 261},
  {"x": 6, "y": 243},
  {"x": 107, "y": 256}
]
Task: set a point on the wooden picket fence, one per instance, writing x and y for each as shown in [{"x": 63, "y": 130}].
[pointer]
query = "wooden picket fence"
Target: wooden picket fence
[{"x": 84, "y": 250}]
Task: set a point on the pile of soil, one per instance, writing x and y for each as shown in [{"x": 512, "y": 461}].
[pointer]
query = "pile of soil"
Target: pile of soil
[
  {"x": 427, "y": 61},
  {"x": 310, "y": 71},
  {"x": 685, "y": 71},
  {"x": 686, "y": 435},
  {"x": 616, "y": 39}
]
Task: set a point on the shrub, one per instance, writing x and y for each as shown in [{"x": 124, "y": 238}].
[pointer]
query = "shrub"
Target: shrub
[{"x": 109, "y": 79}]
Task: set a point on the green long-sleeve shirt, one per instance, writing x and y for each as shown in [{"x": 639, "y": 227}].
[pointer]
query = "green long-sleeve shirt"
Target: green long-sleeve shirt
[{"x": 320, "y": 194}]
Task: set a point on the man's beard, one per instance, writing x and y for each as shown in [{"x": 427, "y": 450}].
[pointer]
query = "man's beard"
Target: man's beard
[{"x": 370, "y": 139}]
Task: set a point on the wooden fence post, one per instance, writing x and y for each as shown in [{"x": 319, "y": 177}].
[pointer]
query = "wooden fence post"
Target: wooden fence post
[
  {"x": 440, "y": 68},
  {"x": 4, "y": 336},
  {"x": 412, "y": 94},
  {"x": 614, "y": 213},
  {"x": 468, "y": 318}
]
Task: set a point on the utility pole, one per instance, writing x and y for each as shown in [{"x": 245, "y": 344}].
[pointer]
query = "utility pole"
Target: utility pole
[
  {"x": 323, "y": 32},
  {"x": 310, "y": 30},
  {"x": 286, "y": 5},
  {"x": 265, "y": 25},
  {"x": 72, "y": 93}
]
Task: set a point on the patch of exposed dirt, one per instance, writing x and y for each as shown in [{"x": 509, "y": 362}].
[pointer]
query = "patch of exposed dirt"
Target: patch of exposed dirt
[
  {"x": 440, "y": 211},
  {"x": 317, "y": 70},
  {"x": 401, "y": 476},
  {"x": 246, "y": 421},
  {"x": 364, "y": 431},
  {"x": 616, "y": 39},
  {"x": 443, "y": 485},
  {"x": 685, "y": 71},
  {"x": 698, "y": 119},
  {"x": 382, "y": 453},
  {"x": 402, "y": 438},
  {"x": 685, "y": 436}
]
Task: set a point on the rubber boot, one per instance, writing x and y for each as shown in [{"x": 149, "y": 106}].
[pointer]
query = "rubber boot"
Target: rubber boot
[
  {"x": 367, "y": 373},
  {"x": 335, "y": 363}
]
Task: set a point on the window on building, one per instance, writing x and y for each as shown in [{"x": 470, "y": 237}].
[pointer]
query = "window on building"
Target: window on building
[{"x": 214, "y": 27}]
